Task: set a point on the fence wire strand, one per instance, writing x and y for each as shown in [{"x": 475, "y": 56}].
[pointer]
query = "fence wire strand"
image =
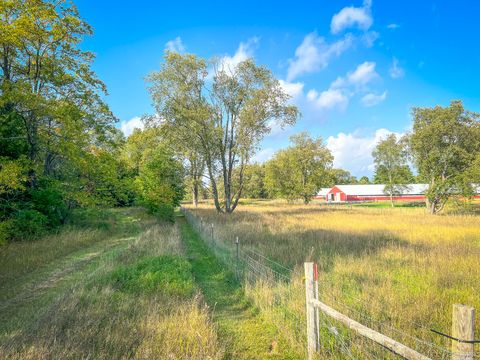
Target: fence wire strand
[{"x": 257, "y": 270}]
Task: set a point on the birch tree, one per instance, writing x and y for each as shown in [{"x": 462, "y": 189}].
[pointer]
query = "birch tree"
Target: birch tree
[
  {"x": 391, "y": 165},
  {"x": 224, "y": 111}
]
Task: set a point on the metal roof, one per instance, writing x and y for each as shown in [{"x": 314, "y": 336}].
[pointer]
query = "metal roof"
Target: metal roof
[
  {"x": 324, "y": 191},
  {"x": 377, "y": 189}
]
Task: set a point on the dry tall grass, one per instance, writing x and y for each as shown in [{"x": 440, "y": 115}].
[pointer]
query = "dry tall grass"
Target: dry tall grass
[
  {"x": 93, "y": 318},
  {"x": 399, "y": 268}
]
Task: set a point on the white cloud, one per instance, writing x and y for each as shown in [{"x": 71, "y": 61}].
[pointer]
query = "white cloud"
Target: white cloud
[
  {"x": 314, "y": 54},
  {"x": 396, "y": 71},
  {"x": 369, "y": 38},
  {"x": 372, "y": 99},
  {"x": 363, "y": 74},
  {"x": 360, "y": 77},
  {"x": 128, "y": 126},
  {"x": 352, "y": 17},
  {"x": 175, "y": 45},
  {"x": 353, "y": 151},
  {"x": 337, "y": 96},
  {"x": 263, "y": 155},
  {"x": 328, "y": 99},
  {"x": 245, "y": 51},
  {"x": 393, "y": 26},
  {"x": 294, "y": 89}
]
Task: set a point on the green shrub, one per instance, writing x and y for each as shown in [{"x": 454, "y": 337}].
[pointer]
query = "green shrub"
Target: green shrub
[
  {"x": 161, "y": 210},
  {"x": 28, "y": 225},
  {"x": 6, "y": 228},
  {"x": 167, "y": 274},
  {"x": 49, "y": 201}
]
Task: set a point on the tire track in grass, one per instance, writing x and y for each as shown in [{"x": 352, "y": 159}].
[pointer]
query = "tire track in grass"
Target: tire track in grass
[{"x": 244, "y": 333}]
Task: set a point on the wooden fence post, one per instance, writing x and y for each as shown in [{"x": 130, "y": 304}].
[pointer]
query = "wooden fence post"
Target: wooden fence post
[
  {"x": 312, "y": 320},
  {"x": 463, "y": 328}
]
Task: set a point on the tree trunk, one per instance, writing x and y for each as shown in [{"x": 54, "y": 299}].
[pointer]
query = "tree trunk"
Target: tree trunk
[
  {"x": 195, "y": 193},
  {"x": 391, "y": 199}
]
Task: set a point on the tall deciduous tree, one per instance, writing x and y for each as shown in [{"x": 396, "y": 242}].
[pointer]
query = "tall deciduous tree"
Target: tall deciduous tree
[
  {"x": 46, "y": 80},
  {"x": 445, "y": 143},
  {"x": 391, "y": 168},
  {"x": 341, "y": 176},
  {"x": 224, "y": 111},
  {"x": 300, "y": 170}
]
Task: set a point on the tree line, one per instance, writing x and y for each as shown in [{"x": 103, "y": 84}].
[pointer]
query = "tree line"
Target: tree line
[
  {"x": 60, "y": 151},
  {"x": 59, "y": 148},
  {"x": 218, "y": 114}
]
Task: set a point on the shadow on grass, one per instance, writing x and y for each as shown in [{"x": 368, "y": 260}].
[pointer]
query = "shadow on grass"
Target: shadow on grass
[
  {"x": 292, "y": 248},
  {"x": 245, "y": 334}
]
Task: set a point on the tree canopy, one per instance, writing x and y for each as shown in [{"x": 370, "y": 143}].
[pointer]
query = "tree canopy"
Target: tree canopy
[
  {"x": 445, "y": 146},
  {"x": 390, "y": 158},
  {"x": 300, "y": 170},
  {"x": 222, "y": 112}
]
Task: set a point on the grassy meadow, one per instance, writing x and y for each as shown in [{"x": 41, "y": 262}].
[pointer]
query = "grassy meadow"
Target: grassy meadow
[
  {"x": 113, "y": 285},
  {"x": 398, "y": 270}
]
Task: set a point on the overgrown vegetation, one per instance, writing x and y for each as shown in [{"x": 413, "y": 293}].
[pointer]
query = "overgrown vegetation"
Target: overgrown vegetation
[
  {"x": 121, "y": 290},
  {"x": 398, "y": 266},
  {"x": 59, "y": 149}
]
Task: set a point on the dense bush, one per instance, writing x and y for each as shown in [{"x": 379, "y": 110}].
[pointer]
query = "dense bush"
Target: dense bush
[
  {"x": 27, "y": 225},
  {"x": 50, "y": 202}
]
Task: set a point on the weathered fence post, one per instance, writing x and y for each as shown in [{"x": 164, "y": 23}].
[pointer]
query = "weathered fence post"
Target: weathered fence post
[
  {"x": 463, "y": 328},
  {"x": 313, "y": 341},
  {"x": 212, "y": 234},
  {"x": 237, "y": 270}
]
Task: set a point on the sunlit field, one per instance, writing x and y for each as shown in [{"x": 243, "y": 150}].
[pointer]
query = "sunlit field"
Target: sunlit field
[{"x": 398, "y": 270}]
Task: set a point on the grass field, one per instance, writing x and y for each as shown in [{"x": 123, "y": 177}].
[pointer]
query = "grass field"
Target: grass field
[
  {"x": 115, "y": 285},
  {"x": 395, "y": 267},
  {"x": 120, "y": 284}
]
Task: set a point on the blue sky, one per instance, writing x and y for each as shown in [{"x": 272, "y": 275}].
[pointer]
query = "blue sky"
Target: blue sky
[{"x": 354, "y": 68}]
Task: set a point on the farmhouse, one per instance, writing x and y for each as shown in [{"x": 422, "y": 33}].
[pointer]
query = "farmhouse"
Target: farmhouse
[{"x": 374, "y": 192}]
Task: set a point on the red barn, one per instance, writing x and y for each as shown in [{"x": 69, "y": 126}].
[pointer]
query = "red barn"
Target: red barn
[
  {"x": 373, "y": 192},
  {"x": 341, "y": 193}
]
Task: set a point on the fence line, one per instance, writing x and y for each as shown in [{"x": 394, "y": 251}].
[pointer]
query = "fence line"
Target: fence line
[{"x": 334, "y": 329}]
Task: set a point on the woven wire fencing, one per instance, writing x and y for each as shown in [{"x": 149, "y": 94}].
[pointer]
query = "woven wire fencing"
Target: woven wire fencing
[{"x": 279, "y": 292}]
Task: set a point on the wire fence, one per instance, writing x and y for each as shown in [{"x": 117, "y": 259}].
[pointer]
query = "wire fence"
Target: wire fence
[{"x": 279, "y": 292}]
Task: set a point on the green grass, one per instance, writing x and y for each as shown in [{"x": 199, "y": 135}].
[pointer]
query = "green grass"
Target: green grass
[
  {"x": 242, "y": 328},
  {"x": 126, "y": 292},
  {"x": 169, "y": 274}
]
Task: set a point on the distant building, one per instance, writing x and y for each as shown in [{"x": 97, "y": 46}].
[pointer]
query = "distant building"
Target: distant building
[{"x": 343, "y": 193}]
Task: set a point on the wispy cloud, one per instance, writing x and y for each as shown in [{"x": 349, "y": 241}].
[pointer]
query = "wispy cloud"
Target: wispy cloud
[
  {"x": 361, "y": 76},
  {"x": 328, "y": 99},
  {"x": 294, "y": 89},
  {"x": 372, "y": 99},
  {"x": 396, "y": 71},
  {"x": 175, "y": 45},
  {"x": 245, "y": 50},
  {"x": 128, "y": 126},
  {"x": 393, "y": 26},
  {"x": 352, "y": 17},
  {"x": 353, "y": 151},
  {"x": 263, "y": 155},
  {"x": 338, "y": 95},
  {"x": 314, "y": 54}
]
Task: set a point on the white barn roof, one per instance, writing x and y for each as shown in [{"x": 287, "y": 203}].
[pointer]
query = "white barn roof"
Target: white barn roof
[
  {"x": 323, "y": 191},
  {"x": 377, "y": 189}
]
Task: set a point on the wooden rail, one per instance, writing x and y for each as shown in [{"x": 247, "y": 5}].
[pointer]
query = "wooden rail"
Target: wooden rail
[{"x": 373, "y": 335}]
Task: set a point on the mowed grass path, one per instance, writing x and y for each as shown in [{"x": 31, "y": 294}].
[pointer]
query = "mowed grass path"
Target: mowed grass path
[
  {"x": 116, "y": 290},
  {"x": 241, "y": 328}
]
